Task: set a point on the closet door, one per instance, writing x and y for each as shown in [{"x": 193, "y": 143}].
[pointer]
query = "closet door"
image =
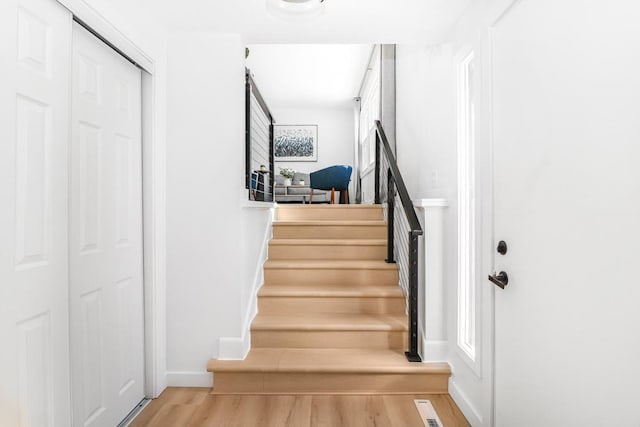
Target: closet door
[
  {"x": 106, "y": 292},
  {"x": 35, "y": 49}
]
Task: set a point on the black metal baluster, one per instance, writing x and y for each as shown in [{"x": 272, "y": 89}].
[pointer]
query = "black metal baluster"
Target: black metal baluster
[
  {"x": 247, "y": 125},
  {"x": 377, "y": 171},
  {"x": 391, "y": 203},
  {"x": 412, "y": 354},
  {"x": 271, "y": 163}
]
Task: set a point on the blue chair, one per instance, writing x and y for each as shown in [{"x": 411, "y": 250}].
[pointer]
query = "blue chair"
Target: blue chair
[
  {"x": 332, "y": 178},
  {"x": 254, "y": 184}
]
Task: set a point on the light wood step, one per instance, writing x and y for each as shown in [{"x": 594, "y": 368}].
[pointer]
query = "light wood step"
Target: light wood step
[
  {"x": 327, "y": 249},
  {"x": 329, "y": 229},
  {"x": 275, "y": 299},
  {"x": 330, "y": 272},
  {"x": 325, "y": 290},
  {"x": 330, "y": 330},
  {"x": 320, "y": 371},
  {"x": 329, "y": 212}
]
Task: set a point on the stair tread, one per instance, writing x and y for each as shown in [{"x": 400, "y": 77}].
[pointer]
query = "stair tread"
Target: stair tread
[
  {"x": 329, "y": 242},
  {"x": 346, "y": 264},
  {"x": 345, "y": 290},
  {"x": 330, "y": 322},
  {"x": 327, "y": 360},
  {"x": 320, "y": 222},
  {"x": 334, "y": 206},
  {"x": 330, "y": 206}
]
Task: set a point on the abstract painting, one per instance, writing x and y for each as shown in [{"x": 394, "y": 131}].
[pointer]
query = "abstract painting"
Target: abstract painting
[{"x": 295, "y": 143}]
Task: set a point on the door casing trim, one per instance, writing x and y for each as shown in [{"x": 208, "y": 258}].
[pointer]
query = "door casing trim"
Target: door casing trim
[{"x": 153, "y": 188}]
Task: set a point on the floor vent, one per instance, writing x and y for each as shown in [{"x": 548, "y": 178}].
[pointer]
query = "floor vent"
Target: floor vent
[{"x": 427, "y": 413}]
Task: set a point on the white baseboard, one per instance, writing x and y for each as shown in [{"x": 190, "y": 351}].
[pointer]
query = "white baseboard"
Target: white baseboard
[
  {"x": 465, "y": 406},
  {"x": 237, "y": 348},
  {"x": 234, "y": 348},
  {"x": 435, "y": 351},
  {"x": 189, "y": 379}
]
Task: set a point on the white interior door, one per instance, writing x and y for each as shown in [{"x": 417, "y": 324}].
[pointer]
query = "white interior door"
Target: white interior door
[
  {"x": 566, "y": 90},
  {"x": 35, "y": 47},
  {"x": 106, "y": 283}
]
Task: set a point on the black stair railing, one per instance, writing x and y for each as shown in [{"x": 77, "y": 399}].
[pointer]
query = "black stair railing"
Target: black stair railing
[
  {"x": 259, "y": 155},
  {"x": 403, "y": 246}
]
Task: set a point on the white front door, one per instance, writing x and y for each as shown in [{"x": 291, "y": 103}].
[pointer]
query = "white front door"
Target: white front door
[
  {"x": 106, "y": 292},
  {"x": 566, "y": 126},
  {"x": 35, "y": 46}
]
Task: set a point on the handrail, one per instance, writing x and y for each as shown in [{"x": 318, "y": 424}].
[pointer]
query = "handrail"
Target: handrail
[
  {"x": 395, "y": 180},
  {"x": 407, "y": 203},
  {"x": 258, "y": 95}
]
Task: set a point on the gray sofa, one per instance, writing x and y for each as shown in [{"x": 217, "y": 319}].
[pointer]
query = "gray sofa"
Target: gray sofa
[{"x": 298, "y": 193}]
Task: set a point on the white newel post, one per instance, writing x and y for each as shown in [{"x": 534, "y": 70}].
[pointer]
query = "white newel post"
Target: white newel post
[{"x": 432, "y": 340}]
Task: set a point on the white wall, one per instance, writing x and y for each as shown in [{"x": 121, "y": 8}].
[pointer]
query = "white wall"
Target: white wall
[
  {"x": 335, "y": 136},
  {"x": 425, "y": 108},
  {"x": 256, "y": 233},
  {"x": 209, "y": 273}
]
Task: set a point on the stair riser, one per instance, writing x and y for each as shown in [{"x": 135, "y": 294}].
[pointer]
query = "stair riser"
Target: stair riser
[
  {"x": 329, "y": 231},
  {"x": 325, "y": 383},
  {"x": 328, "y": 214},
  {"x": 302, "y": 305},
  {"x": 395, "y": 340},
  {"x": 327, "y": 252},
  {"x": 364, "y": 277}
]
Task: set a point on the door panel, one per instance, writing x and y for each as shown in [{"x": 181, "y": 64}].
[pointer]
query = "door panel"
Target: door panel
[
  {"x": 35, "y": 49},
  {"x": 567, "y": 186},
  {"x": 106, "y": 234}
]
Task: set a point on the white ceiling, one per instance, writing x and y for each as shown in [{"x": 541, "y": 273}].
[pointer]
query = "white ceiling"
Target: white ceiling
[
  {"x": 343, "y": 21},
  {"x": 308, "y": 76}
]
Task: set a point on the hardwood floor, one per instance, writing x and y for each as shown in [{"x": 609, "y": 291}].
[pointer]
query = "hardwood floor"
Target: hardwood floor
[{"x": 178, "y": 407}]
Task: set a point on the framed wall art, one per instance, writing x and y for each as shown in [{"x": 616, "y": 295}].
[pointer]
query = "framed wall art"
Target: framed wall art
[{"x": 295, "y": 143}]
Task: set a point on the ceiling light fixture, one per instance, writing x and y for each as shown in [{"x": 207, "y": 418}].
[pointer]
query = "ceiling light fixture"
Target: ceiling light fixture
[{"x": 295, "y": 8}]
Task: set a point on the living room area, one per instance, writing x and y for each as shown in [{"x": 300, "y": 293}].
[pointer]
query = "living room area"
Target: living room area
[{"x": 308, "y": 103}]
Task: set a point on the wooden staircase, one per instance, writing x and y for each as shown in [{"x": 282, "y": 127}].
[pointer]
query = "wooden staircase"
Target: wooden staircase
[{"x": 331, "y": 316}]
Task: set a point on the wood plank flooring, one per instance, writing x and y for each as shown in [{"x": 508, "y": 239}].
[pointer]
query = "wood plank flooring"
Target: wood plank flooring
[{"x": 178, "y": 407}]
